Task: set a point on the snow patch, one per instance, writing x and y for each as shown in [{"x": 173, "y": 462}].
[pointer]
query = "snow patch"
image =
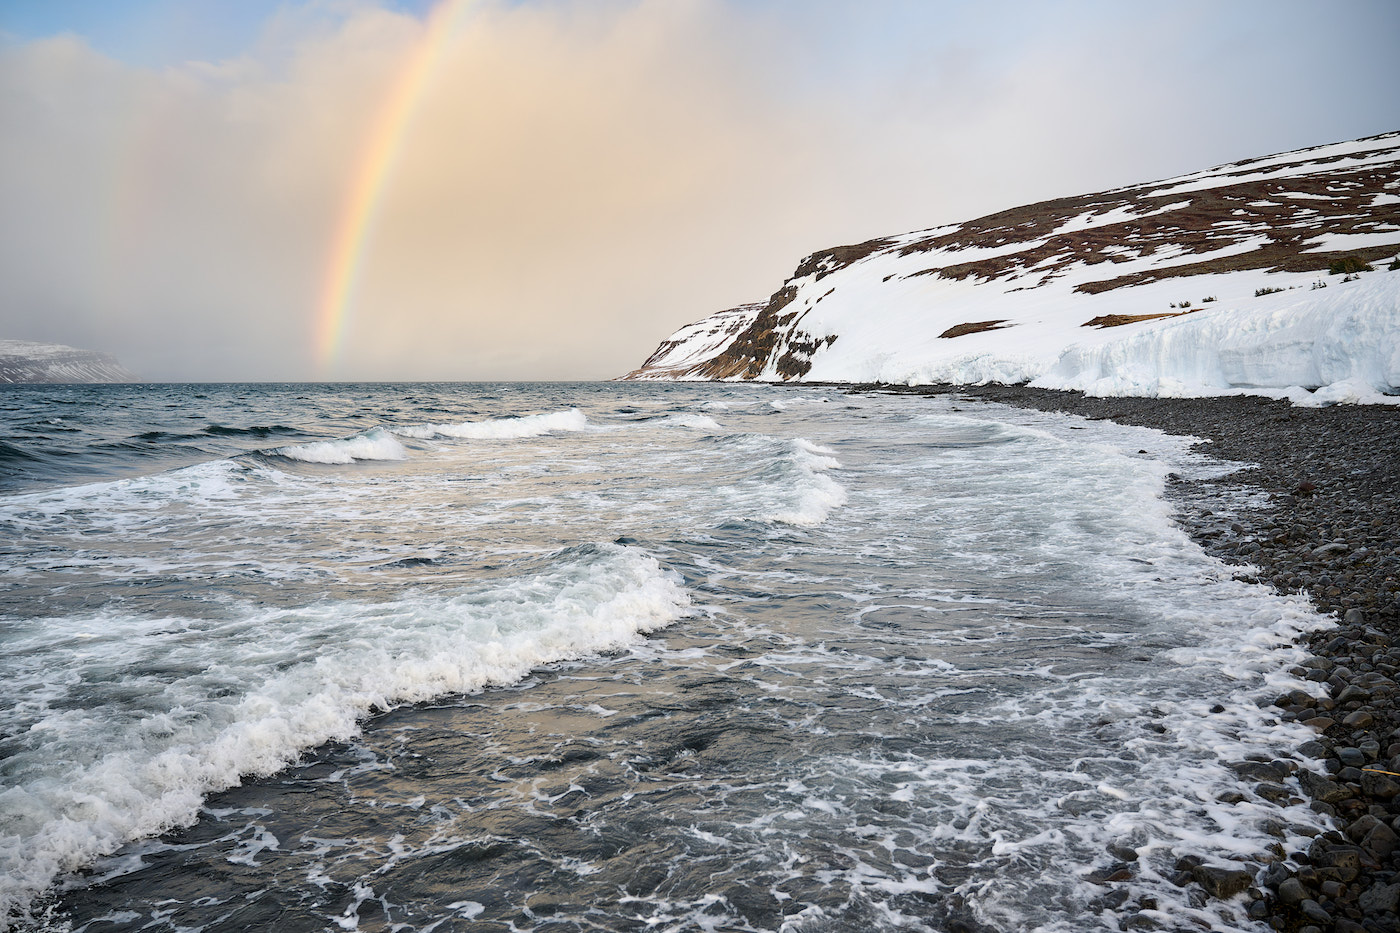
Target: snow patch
[{"x": 1336, "y": 242}]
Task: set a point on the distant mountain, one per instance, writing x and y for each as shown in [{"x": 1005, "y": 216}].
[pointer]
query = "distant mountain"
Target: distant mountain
[
  {"x": 1206, "y": 283},
  {"x": 21, "y": 362}
]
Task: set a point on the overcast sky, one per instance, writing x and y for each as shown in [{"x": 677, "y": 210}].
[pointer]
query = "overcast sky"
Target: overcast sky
[{"x": 577, "y": 178}]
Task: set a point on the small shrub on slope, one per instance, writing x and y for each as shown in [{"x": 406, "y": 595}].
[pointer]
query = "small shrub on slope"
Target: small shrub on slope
[{"x": 1348, "y": 265}]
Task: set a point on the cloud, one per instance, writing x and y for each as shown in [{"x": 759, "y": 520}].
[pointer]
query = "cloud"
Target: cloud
[{"x": 578, "y": 178}]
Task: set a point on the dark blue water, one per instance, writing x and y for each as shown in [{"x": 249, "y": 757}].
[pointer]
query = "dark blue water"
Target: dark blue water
[
  {"x": 52, "y": 434},
  {"x": 611, "y": 656}
]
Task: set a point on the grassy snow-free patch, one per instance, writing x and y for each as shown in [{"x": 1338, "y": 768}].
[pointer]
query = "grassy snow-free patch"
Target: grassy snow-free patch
[
  {"x": 972, "y": 327},
  {"x": 1118, "y": 320}
]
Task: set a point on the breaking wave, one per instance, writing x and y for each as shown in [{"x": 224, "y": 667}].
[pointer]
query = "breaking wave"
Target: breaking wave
[
  {"x": 246, "y": 695},
  {"x": 698, "y": 422},
  {"x": 812, "y": 494},
  {"x": 374, "y": 444},
  {"x": 501, "y": 428}
]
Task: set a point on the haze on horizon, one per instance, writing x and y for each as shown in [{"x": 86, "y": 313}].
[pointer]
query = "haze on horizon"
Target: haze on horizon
[{"x": 578, "y": 178}]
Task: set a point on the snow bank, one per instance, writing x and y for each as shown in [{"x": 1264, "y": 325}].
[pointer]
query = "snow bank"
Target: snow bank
[
  {"x": 1312, "y": 345},
  {"x": 1342, "y": 341}
]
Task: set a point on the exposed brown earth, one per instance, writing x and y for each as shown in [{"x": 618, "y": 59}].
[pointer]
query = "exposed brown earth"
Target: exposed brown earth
[
  {"x": 972, "y": 327},
  {"x": 1118, "y": 320}
]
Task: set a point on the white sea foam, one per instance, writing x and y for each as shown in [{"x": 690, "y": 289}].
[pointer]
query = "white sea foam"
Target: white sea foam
[
  {"x": 1008, "y": 653},
  {"x": 124, "y": 502},
  {"x": 374, "y": 444},
  {"x": 1111, "y": 726},
  {"x": 813, "y": 494},
  {"x": 502, "y": 428},
  {"x": 797, "y": 401},
  {"x": 123, "y": 723},
  {"x": 1092, "y": 513},
  {"x": 698, "y": 422}
]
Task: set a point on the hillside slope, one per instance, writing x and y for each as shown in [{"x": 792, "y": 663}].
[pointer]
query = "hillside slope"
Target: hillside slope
[
  {"x": 24, "y": 362},
  {"x": 1152, "y": 289}
]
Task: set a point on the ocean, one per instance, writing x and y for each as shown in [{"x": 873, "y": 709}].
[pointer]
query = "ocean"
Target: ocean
[{"x": 617, "y": 656}]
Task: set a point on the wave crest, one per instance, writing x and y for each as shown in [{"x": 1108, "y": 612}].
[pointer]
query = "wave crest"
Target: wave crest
[
  {"x": 698, "y": 422},
  {"x": 814, "y": 494},
  {"x": 501, "y": 428},
  {"x": 110, "y": 774},
  {"x": 374, "y": 444}
]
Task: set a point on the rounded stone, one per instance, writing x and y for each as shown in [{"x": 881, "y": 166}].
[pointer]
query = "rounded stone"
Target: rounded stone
[
  {"x": 1314, "y": 911},
  {"x": 1361, "y": 719},
  {"x": 1351, "y": 757},
  {"x": 1292, "y": 892}
]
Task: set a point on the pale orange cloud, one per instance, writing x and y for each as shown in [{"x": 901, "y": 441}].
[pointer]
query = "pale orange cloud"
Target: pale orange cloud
[{"x": 577, "y": 179}]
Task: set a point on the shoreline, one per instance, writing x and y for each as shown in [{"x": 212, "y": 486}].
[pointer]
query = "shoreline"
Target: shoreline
[{"x": 1331, "y": 529}]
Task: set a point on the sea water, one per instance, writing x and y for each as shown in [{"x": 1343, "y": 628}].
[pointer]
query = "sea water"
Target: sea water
[{"x": 615, "y": 657}]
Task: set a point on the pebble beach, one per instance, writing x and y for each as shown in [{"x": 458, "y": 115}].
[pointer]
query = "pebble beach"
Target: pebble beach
[{"x": 1327, "y": 524}]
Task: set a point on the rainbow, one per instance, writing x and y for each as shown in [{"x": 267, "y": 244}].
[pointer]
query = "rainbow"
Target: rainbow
[{"x": 368, "y": 181}]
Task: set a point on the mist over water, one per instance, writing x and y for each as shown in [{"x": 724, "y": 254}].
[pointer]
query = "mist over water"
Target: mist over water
[{"x": 611, "y": 656}]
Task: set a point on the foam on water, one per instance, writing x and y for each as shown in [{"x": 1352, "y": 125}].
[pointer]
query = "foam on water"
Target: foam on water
[
  {"x": 375, "y": 444},
  {"x": 761, "y": 478},
  {"x": 117, "y": 501},
  {"x": 696, "y": 421},
  {"x": 813, "y": 494},
  {"x": 999, "y": 778},
  {"x": 150, "y": 714},
  {"x": 1172, "y": 717},
  {"x": 945, "y": 657},
  {"x": 796, "y": 401},
  {"x": 502, "y": 428}
]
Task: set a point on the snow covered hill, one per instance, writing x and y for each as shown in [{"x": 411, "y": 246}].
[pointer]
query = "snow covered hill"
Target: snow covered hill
[
  {"x": 21, "y": 361},
  {"x": 1211, "y": 283}
]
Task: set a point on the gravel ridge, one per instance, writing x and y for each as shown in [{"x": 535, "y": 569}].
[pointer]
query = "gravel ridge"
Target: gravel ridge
[{"x": 1330, "y": 527}]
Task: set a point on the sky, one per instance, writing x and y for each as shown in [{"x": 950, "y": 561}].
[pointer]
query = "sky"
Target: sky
[{"x": 230, "y": 190}]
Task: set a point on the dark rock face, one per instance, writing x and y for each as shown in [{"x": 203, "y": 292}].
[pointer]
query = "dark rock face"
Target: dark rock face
[
  {"x": 51, "y": 363},
  {"x": 751, "y": 348},
  {"x": 695, "y": 345}
]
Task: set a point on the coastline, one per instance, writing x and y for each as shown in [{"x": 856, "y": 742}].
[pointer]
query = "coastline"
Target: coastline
[
  {"x": 1330, "y": 527},
  {"x": 1107, "y": 895}
]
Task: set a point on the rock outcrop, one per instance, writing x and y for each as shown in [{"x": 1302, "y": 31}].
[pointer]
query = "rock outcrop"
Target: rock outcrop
[{"x": 24, "y": 362}]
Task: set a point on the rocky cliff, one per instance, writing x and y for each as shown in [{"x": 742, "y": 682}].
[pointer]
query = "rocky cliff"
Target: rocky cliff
[
  {"x": 23, "y": 362},
  {"x": 1006, "y": 297}
]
